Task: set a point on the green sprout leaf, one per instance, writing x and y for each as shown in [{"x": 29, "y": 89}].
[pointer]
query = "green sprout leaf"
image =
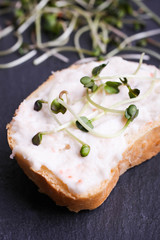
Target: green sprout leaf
[
  {"x": 56, "y": 107},
  {"x": 124, "y": 81},
  {"x": 96, "y": 71},
  {"x": 131, "y": 112},
  {"x": 38, "y": 105},
  {"x": 133, "y": 93},
  {"x": 36, "y": 140},
  {"x": 89, "y": 83},
  {"x": 112, "y": 87},
  {"x": 86, "y": 121},
  {"x": 51, "y": 24},
  {"x": 85, "y": 80},
  {"x": 85, "y": 149}
]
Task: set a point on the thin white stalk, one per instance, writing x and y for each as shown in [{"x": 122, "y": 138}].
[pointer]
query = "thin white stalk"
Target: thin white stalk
[
  {"x": 32, "y": 18},
  {"x": 4, "y": 32},
  {"x": 38, "y": 29},
  {"x": 146, "y": 50},
  {"x": 85, "y": 60},
  {"x": 67, "y": 131},
  {"x": 19, "y": 60},
  {"x": 140, "y": 63},
  {"x": 63, "y": 39},
  {"x": 132, "y": 38},
  {"x": 101, "y": 107},
  {"x": 91, "y": 131},
  {"x": 14, "y": 47},
  {"x": 134, "y": 56},
  {"x": 62, "y": 3},
  {"x": 125, "y": 76},
  {"x": 140, "y": 97},
  {"x": 116, "y": 31},
  {"x": 147, "y": 10},
  {"x": 77, "y": 38},
  {"x": 82, "y": 3},
  {"x": 51, "y": 52},
  {"x": 104, "y": 5}
]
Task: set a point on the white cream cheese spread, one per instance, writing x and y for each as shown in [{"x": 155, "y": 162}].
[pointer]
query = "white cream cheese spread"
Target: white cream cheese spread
[{"x": 59, "y": 152}]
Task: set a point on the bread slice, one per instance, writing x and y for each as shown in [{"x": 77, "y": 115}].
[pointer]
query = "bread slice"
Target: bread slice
[{"x": 56, "y": 165}]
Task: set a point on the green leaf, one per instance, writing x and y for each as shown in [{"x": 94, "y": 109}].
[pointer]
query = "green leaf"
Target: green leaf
[
  {"x": 85, "y": 149},
  {"x": 36, "y": 140},
  {"x": 112, "y": 87},
  {"x": 131, "y": 112},
  {"x": 133, "y": 93},
  {"x": 51, "y": 24},
  {"x": 38, "y": 105},
  {"x": 85, "y": 80},
  {"x": 124, "y": 81},
  {"x": 89, "y": 83},
  {"x": 86, "y": 121},
  {"x": 96, "y": 71},
  {"x": 56, "y": 107},
  {"x": 94, "y": 88}
]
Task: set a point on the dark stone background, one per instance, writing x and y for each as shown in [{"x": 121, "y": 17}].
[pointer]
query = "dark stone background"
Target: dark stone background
[{"x": 132, "y": 211}]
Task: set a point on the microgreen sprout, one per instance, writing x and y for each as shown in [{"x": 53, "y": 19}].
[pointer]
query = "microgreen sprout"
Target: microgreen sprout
[
  {"x": 89, "y": 83},
  {"x": 85, "y": 149},
  {"x": 38, "y": 105},
  {"x": 133, "y": 93},
  {"x": 131, "y": 112},
  {"x": 112, "y": 87},
  {"x": 86, "y": 121},
  {"x": 36, "y": 140},
  {"x": 62, "y": 93},
  {"x": 97, "y": 70},
  {"x": 59, "y": 19},
  {"x": 56, "y": 107}
]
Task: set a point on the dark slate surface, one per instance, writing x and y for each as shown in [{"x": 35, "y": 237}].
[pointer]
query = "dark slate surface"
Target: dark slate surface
[{"x": 131, "y": 211}]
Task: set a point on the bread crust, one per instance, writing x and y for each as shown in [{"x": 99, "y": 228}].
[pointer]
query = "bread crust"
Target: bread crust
[{"x": 145, "y": 147}]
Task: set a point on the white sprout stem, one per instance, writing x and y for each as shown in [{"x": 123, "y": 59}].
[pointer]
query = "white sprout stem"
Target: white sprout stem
[
  {"x": 126, "y": 76},
  {"x": 51, "y": 10},
  {"x": 140, "y": 63},
  {"x": 147, "y": 10},
  {"x": 6, "y": 31},
  {"x": 68, "y": 132},
  {"x": 82, "y": 3},
  {"x": 51, "y": 52},
  {"x": 146, "y": 50},
  {"x": 101, "y": 107},
  {"x": 64, "y": 37},
  {"x": 104, "y": 5},
  {"x": 62, "y": 3},
  {"x": 116, "y": 31},
  {"x": 147, "y": 93},
  {"x": 134, "y": 56},
  {"x": 19, "y": 61},
  {"x": 139, "y": 36},
  {"x": 61, "y": 57},
  {"x": 77, "y": 37},
  {"x": 38, "y": 29},
  {"x": 131, "y": 39},
  {"x": 91, "y": 3},
  {"x": 104, "y": 36},
  {"x": 91, "y": 131},
  {"x": 14, "y": 47},
  {"x": 95, "y": 36},
  {"x": 85, "y": 60},
  {"x": 32, "y": 18}
]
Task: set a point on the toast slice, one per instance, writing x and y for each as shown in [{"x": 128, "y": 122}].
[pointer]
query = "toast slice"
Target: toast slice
[{"x": 57, "y": 165}]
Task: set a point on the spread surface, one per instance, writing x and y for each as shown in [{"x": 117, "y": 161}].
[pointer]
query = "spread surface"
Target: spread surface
[{"x": 59, "y": 152}]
